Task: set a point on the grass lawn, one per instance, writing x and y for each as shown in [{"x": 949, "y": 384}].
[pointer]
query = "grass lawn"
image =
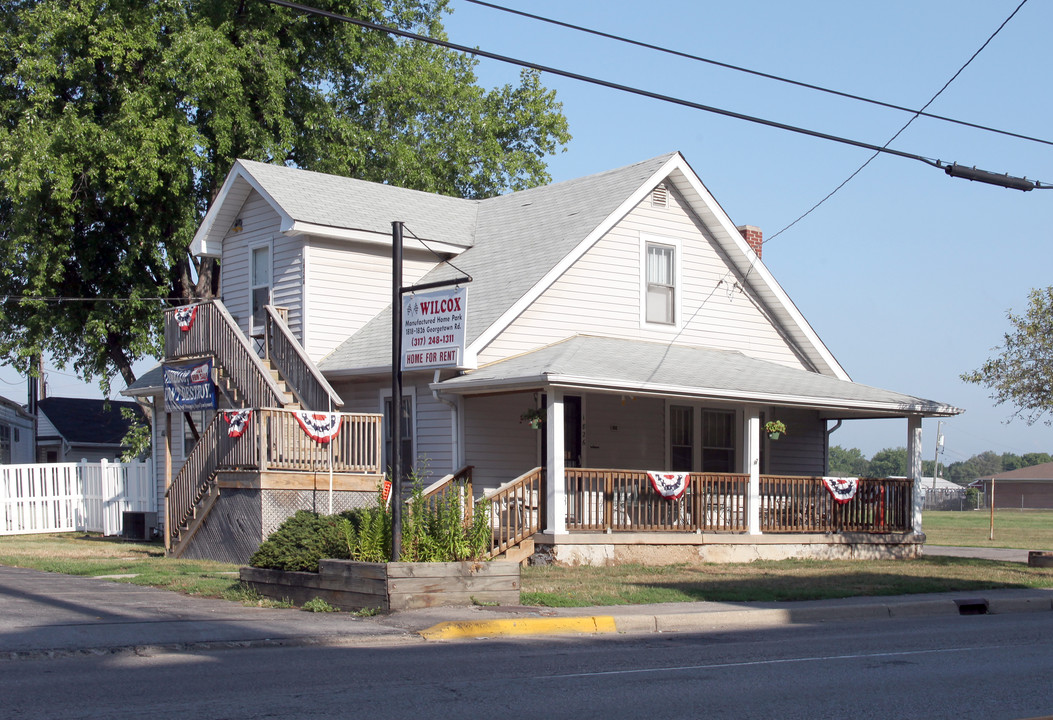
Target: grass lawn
[
  {"x": 91, "y": 555},
  {"x": 1025, "y": 529}
]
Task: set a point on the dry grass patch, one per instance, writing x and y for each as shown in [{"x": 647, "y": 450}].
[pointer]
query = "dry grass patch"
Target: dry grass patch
[
  {"x": 770, "y": 581},
  {"x": 1025, "y": 529}
]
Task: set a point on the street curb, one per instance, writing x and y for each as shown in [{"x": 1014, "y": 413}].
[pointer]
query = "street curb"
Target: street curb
[{"x": 520, "y": 626}]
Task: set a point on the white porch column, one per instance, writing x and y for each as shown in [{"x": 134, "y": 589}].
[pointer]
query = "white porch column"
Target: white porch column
[
  {"x": 555, "y": 491},
  {"x": 751, "y": 432},
  {"x": 914, "y": 466}
]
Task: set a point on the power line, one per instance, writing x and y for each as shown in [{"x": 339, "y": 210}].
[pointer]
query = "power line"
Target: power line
[
  {"x": 768, "y": 76},
  {"x": 905, "y": 126},
  {"x": 981, "y": 176}
]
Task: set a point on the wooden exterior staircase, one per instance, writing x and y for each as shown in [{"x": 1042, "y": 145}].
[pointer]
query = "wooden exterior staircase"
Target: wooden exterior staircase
[{"x": 283, "y": 379}]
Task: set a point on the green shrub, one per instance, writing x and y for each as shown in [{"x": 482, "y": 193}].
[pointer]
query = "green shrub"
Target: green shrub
[
  {"x": 317, "y": 605},
  {"x": 301, "y": 541}
]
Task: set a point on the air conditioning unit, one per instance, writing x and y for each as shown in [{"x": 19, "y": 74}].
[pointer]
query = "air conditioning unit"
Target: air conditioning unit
[{"x": 136, "y": 525}]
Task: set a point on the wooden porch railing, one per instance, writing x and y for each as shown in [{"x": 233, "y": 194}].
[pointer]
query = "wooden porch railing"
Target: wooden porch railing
[
  {"x": 214, "y": 332},
  {"x": 516, "y": 510},
  {"x": 623, "y": 500},
  {"x": 802, "y": 504},
  {"x": 459, "y": 482},
  {"x": 301, "y": 375},
  {"x": 273, "y": 441}
]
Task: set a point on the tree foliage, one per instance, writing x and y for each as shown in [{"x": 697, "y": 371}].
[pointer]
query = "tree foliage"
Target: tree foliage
[
  {"x": 893, "y": 462},
  {"x": 119, "y": 120},
  {"x": 1022, "y": 373}
]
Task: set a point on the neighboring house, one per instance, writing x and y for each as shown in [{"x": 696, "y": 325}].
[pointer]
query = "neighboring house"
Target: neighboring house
[
  {"x": 16, "y": 434},
  {"x": 943, "y": 494},
  {"x": 623, "y": 314},
  {"x": 75, "y": 429},
  {"x": 1023, "y": 488}
]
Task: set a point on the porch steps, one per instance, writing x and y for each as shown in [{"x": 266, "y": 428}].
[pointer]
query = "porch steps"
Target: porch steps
[
  {"x": 518, "y": 553},
  {"x": 233, "y": 396}
]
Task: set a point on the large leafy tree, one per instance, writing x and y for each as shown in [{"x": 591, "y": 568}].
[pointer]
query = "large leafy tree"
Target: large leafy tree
[
  {"x": 1022, "y": 373},
  {"x": 120, "y": 118}
]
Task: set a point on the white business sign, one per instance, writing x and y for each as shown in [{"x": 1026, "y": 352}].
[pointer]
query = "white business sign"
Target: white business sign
[{"x": 433, "y": 328}]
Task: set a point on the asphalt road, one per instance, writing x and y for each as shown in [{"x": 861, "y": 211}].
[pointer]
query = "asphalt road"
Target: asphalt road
[{"x": 983, "y": 666}]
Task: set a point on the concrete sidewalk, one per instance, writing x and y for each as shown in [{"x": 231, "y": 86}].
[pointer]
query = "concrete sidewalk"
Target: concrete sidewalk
[{"x": 47, "y": 614}]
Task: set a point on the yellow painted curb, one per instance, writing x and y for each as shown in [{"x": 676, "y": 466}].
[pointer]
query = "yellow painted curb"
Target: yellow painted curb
[{"x": 522, "y": 626}]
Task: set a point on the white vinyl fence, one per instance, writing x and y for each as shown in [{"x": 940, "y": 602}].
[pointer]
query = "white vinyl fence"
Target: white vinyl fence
[{"x": 67, "y": 497}]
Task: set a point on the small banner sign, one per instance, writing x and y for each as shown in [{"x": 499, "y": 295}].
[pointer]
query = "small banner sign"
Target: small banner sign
[
  {"x": 189, "y": 387},
  {"x": 841, "y": 489},
  {"x": 320, "y": 427},
  {"x": 237, "y": 422},
  {"x": 385, "y": 492},
  {"x": 433, "y": 328},
  {"x": 670, "y": 485},
  {"x": 185, "y": 316}
]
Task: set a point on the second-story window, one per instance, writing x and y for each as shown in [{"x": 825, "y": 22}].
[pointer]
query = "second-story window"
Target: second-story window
[
  {"x": 261, "y": 286},
  {"x": 661, "y": 284}
]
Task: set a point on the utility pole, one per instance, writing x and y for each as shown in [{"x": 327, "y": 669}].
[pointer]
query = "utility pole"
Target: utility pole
[{"x": 936, "y": 458}]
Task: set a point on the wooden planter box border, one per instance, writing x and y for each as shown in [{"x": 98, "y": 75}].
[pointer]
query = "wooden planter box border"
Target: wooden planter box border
[{"x": 352, "y": 585}]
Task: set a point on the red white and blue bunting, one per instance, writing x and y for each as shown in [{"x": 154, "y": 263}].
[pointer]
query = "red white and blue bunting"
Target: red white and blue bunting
[
  {"x": 238, "y": 422},
  {"x": 841, "y": 489},
  {"x": 321, "y": 427},
  {"x": 185, "y": 316},
  {"x": 670, "y": 485}
]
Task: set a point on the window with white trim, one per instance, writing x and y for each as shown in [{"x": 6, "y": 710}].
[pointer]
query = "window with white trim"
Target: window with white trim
[
  {"x": 261, "y": 285},
  {"x": 661, "y": 284}
]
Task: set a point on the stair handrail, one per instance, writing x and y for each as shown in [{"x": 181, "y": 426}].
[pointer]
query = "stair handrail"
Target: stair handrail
[
  {"x": 462, "y": 481},
  {"x": 515, "y": 510},
  {"x": 198, "y": 471},
  {"x": 298, "y": 371},
  {"x": 215, "y": 332}
]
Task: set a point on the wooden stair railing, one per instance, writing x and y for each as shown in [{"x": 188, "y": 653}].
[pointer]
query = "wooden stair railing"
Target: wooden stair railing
[
  {"x": 515, "y": 511},
  {"x": 300, "y": 374},
  {"x": 215, "y": 333},
  {"x": 459, "y": 482},
  {"x": 274, "y": 441}
]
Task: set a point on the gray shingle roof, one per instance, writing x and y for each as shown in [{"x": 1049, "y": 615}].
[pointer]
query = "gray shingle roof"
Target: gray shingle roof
[
  {"x": 88, "y": 420},
  {"x": 342, "y": 202},
  {"x": 518, "y": 239},
  {"x": 634, "y": 365}
]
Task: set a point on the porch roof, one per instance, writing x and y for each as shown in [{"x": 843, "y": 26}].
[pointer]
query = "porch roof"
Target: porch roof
[{"x": 604, "y": 364}]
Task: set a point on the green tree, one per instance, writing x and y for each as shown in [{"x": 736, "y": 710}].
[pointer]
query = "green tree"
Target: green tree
[
  {"x": 119, "y": 119},
  {"x": 889, "y": 462},
  {"x": 847, "y": 463},
  {"x": 1022, "y": 373}
]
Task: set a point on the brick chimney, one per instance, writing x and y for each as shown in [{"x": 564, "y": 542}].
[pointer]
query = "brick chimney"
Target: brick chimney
[{"x": 753, "y": 236}]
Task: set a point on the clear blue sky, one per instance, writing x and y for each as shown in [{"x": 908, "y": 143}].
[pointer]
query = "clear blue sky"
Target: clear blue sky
[{"x": 905, "y": 273}]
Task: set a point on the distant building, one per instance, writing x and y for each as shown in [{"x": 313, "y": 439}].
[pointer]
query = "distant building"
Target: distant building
[
  {"x": 16, "y": 433},
  {"x": 1023, "y": 488},
  {"x": 74, "y": 429}
]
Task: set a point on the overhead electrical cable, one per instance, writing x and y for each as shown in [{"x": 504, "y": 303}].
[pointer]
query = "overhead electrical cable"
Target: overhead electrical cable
[
  {"x": 768, "y": 76},
  {"x": 905, "y": 126},
  {"x": 960, "y": 170}
]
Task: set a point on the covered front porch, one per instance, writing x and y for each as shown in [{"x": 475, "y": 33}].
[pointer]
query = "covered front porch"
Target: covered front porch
[{"x": 596, "y": 415}]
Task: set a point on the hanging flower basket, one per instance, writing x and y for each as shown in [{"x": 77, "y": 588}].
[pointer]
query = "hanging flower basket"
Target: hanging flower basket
[
  {"x": 775, "y": 429},
  {"x": 533, "y": 417}
]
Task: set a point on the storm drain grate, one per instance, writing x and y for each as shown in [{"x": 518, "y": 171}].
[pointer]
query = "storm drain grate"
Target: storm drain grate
[{"x": 972, "y": 607}]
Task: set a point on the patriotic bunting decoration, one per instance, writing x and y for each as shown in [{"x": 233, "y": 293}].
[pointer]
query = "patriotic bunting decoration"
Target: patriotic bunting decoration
[
  {"x": 321, "y": 427},
  {"x": 238, "y": 421},
  {"x": 670, "y": 485},
  {"x": 841, "y": 489},
  {"x": 185, "y": 316}
]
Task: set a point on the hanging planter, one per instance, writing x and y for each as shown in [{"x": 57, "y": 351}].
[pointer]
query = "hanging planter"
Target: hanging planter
[
  {"x": 775, "y": 429},
  {"x": 533, "y": 417}
]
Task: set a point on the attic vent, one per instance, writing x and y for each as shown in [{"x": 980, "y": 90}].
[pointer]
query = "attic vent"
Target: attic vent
[{"x": 660, "y": 197}]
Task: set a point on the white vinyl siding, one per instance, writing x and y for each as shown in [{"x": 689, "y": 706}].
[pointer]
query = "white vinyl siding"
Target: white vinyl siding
[
  {"x": 497, "y": 443},
  {"x": 433, "y": 442},
  {"x": 601, "y": 294},
  {"x": 260, "y": 226},
  {"x": 347, "y": 285}
]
